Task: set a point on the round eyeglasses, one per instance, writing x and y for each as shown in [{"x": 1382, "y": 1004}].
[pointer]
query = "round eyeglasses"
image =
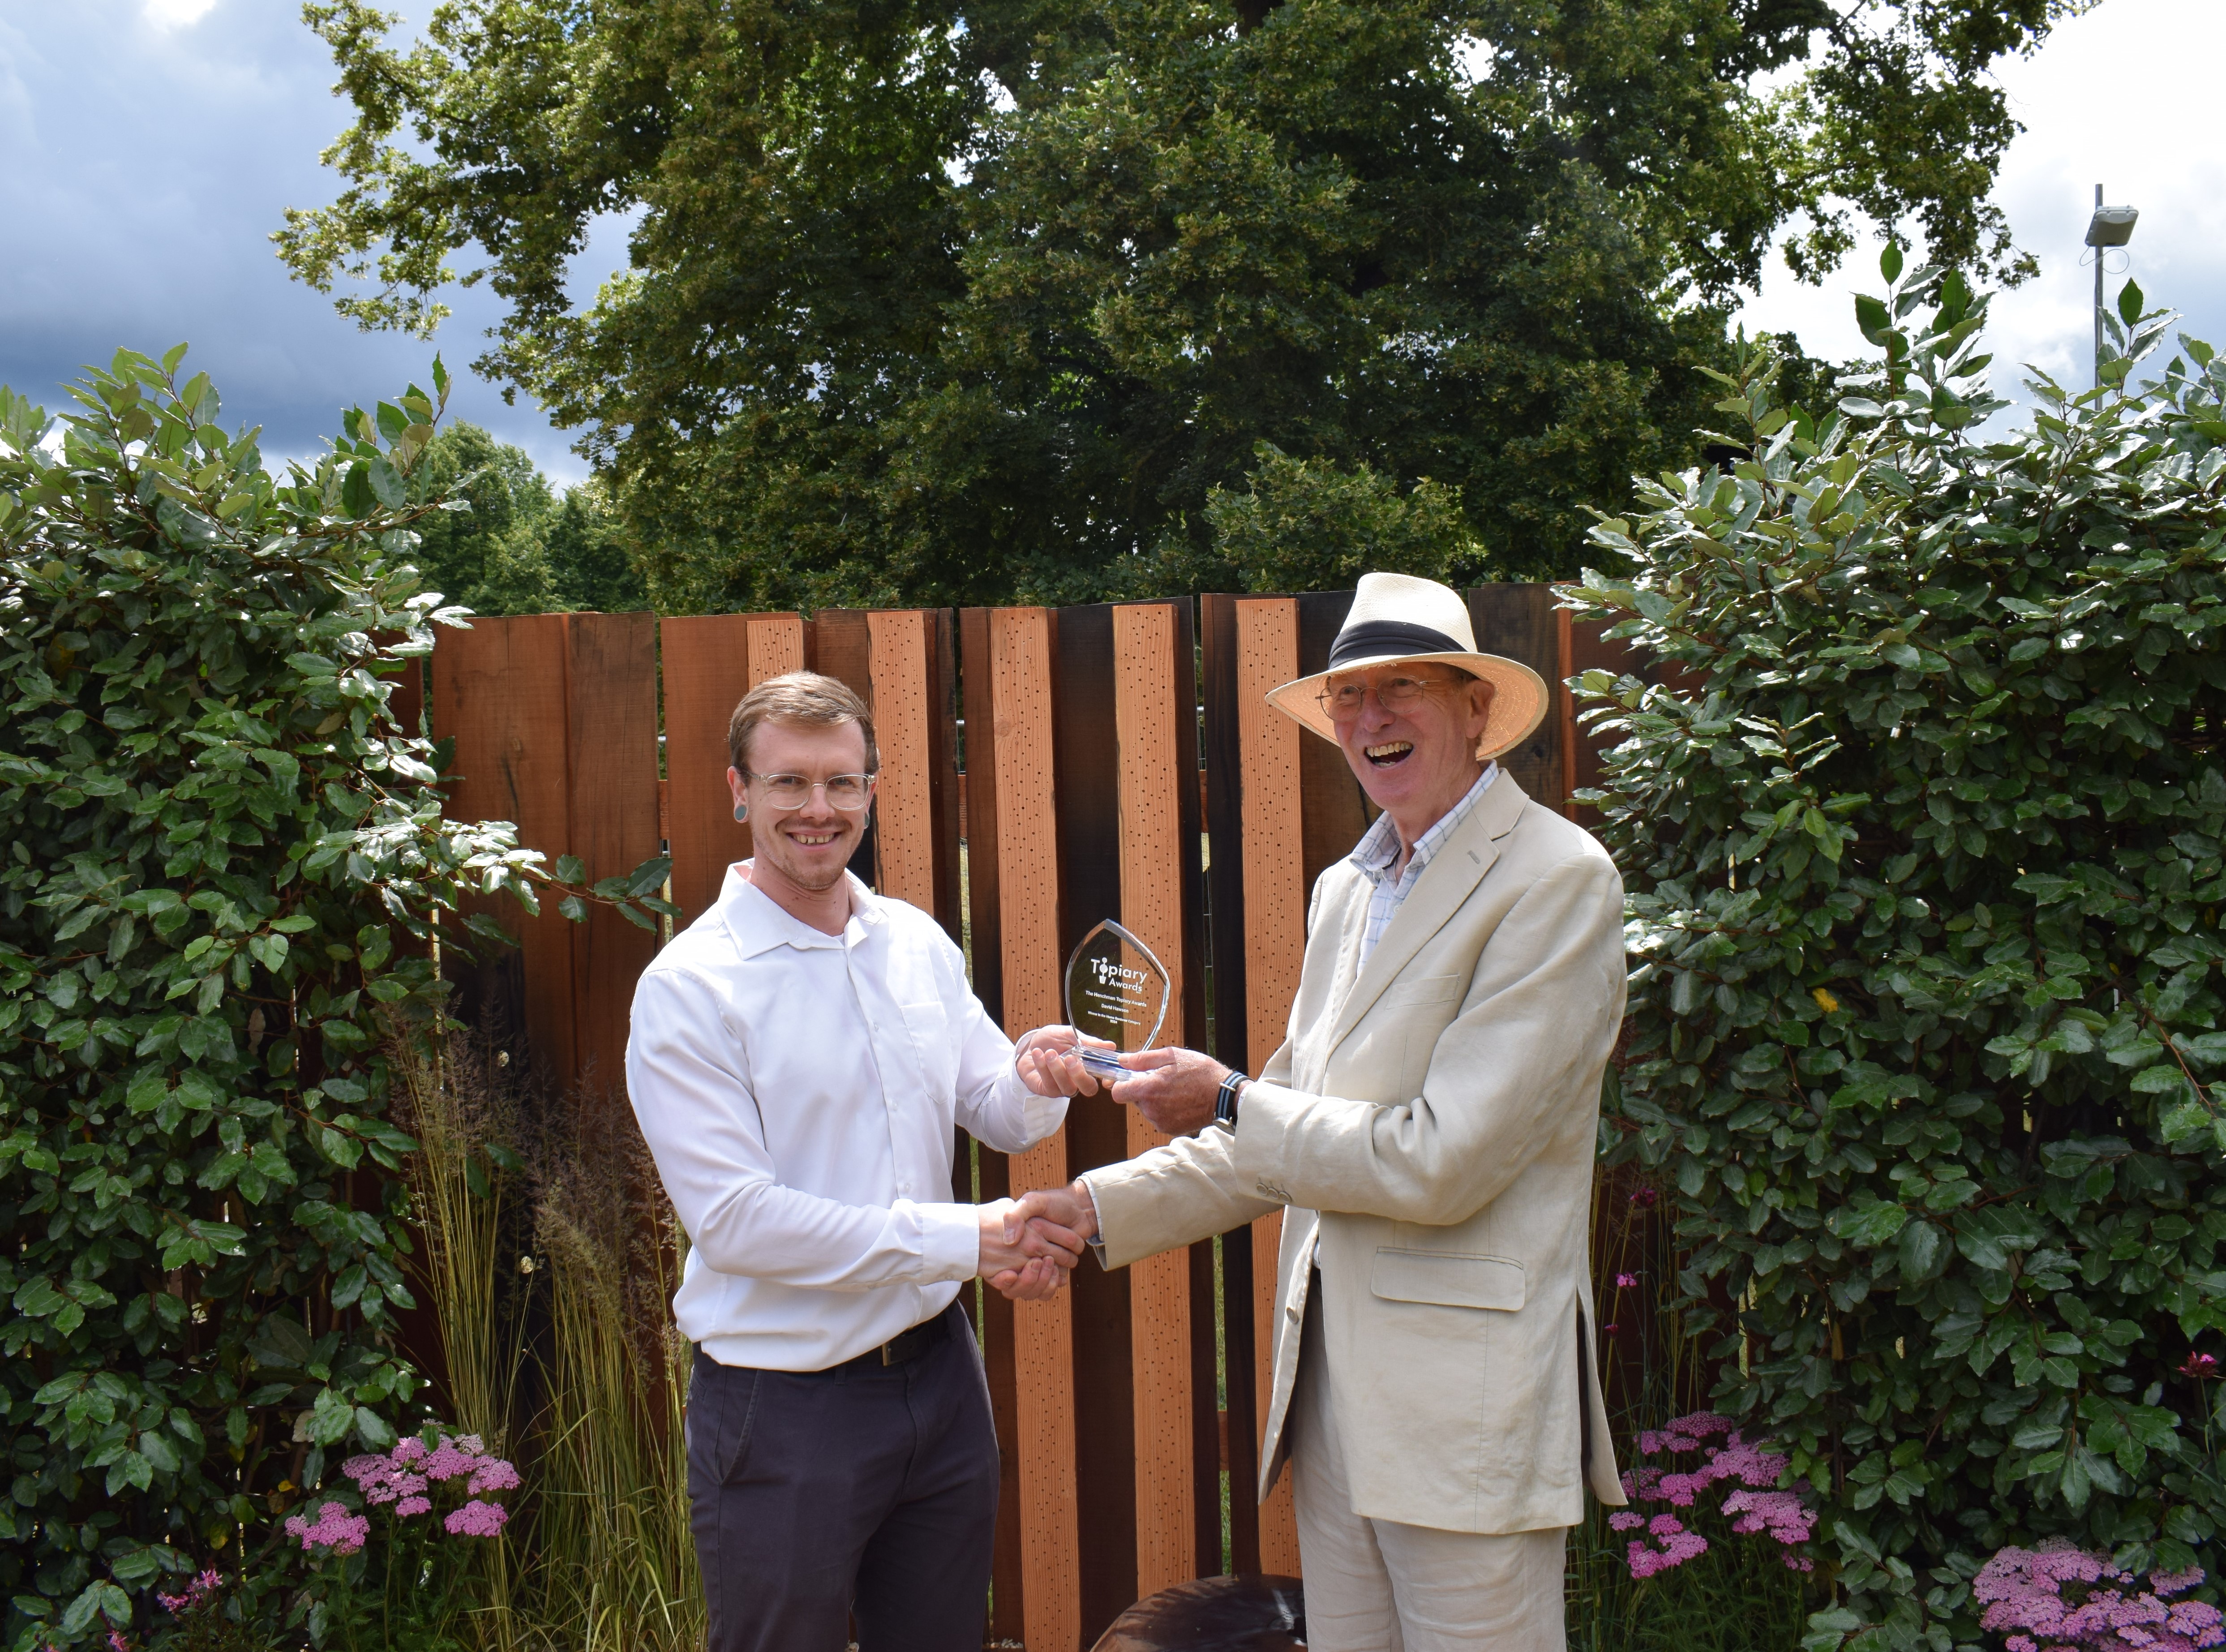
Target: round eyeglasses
[
  {"x": 1396, "y": 695},
  {"x": 847, "y": 792}
]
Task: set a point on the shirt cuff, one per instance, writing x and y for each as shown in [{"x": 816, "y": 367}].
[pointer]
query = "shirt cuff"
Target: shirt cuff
[
  {"x": 1097, "y": 1240},
  {"x": 1040, "y": 1115},
  {"x": 950, "y": 1241}
]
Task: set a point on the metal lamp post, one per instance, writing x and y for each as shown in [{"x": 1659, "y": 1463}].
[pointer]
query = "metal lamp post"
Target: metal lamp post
[{"x": 2110, "y": 226}]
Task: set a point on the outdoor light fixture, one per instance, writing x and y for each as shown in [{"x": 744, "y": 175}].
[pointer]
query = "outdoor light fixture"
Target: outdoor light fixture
[{"x": 2110, "y": 226}]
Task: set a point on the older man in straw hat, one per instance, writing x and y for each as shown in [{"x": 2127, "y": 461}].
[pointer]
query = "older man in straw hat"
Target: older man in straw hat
[{"x": 1430, "y": 1123}]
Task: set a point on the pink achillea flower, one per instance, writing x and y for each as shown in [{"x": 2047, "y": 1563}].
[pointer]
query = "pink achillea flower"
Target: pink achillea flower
[
  {"x": 1676, "y": 1550},
  {"x": 409, "y": 1452},
  {"x": 410, "y": 1506},
  {"x": 449, "y": 1461},
  {"x": 1747, "y": 1470},
  {"x": 1781, "y": 1514},
  {"x": 1624, "y": 1281},
  {"x": 196, "y": 1592},
  {"x": 492, "y": 1475},
  {"x": 1625, "y": 1520},
  {"x": 477, "y": 1519},
  {"x": 334, "y": 1528},
  {"x": 2023, "y": 1591}
]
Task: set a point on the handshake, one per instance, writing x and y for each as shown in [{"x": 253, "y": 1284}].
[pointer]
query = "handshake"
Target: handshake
[{"x": 1029, "y": 1245}]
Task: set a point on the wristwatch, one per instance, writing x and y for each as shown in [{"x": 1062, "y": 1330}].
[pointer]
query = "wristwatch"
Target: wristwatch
[{"x": 1226, "y": 1099}]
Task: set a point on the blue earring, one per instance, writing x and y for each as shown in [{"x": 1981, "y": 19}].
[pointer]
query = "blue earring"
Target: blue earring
[{"x": 741, "y": 811}]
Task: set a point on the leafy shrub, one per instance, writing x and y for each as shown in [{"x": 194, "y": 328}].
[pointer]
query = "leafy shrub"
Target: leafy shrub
[
  {"x": 1922, "y": 832},
  {"x": 223, "y": 857},
  {"x": 1309, "y": 525}
]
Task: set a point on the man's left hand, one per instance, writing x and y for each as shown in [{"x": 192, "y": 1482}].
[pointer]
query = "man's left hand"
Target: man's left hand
[
  {"x": 1173, "y": 1088},
  {"x": 1050, "y": 1062}
]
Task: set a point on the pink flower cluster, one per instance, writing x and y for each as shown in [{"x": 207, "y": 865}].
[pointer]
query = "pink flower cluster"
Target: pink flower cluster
[
  {"x": 334, "y": 1528},
  {"x": 1755, "y": 1505},
  {"x": 2023, "y": 1591},
  {"x": 477, "y": 1519},
  {"x": 196, "y": 1593},
  {"x": 1678, "y": 1545},
  {"x": 404, "y": 1477}
]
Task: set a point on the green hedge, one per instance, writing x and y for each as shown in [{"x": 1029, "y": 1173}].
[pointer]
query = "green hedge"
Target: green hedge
[
  {"x": 1922, "y": 831},
  {"x": 223, "y": 854}
]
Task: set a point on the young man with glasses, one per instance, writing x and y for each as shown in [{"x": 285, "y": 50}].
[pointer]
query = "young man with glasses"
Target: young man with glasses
[
  {"x": 799, "y": 1056},
  {"x": 1428, "y": 1130}
]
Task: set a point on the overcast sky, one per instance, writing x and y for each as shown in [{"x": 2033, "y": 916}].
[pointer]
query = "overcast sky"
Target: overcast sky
[{"x": 147, "y": 148}]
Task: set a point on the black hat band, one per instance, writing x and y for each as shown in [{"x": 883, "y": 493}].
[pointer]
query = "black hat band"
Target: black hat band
[{"x": 1372, "y": 638}]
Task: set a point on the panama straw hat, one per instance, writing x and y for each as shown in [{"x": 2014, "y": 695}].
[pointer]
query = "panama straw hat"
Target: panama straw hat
[{"x": 1397, "y": 619}]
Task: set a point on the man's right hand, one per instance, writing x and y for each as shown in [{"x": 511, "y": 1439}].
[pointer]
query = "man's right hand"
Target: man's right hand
[
  {"x": 1066, "y": 1211},
  {"x": 1025, "y": 1254}
]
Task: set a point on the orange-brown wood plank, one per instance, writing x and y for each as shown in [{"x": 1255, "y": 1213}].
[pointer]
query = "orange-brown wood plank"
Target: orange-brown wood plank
[
  {"x": 1008, "y": 1592},
  {"x": 904, "y": 809},
  {"x": 1027, "y": 873},
  {"x": 1146, "y": 710},
  {"x": 777, "y": 645},
  {"x": 707, "y": 670},
  {"x": 498, "y": 692},
  {"x": 611, "y": 699},
  {"x": 1275, "y": 948}
]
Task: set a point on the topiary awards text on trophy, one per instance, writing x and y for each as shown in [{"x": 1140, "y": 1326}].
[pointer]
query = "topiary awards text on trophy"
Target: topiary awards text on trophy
[{"x": 1117, "y": 991}]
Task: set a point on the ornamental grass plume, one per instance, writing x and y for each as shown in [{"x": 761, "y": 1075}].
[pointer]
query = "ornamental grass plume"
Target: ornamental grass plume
[{"x": 2060, "y": 1598}]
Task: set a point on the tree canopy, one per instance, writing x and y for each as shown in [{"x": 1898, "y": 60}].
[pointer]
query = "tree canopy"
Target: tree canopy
[
  {"x": 933, "y": 303},
  {"x": 522, "y": 548}
]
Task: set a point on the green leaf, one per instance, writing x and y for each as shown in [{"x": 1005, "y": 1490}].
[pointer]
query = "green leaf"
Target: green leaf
[
  {"x": 2130, "y": 302},
  {"x": 1922, "y": 1251},
  {"x": 1890, "y": 262}
]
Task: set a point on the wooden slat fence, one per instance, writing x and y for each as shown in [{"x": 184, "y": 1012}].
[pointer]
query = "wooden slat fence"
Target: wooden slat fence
[{"x": 1083, "y": 734}]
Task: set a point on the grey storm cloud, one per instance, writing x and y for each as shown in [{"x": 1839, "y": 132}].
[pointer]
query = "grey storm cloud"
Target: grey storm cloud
[{"x": 147, "y": 149}]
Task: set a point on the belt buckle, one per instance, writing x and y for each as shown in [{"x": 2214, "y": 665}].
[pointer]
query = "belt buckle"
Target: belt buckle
[{"x": 886, "y": 1346}]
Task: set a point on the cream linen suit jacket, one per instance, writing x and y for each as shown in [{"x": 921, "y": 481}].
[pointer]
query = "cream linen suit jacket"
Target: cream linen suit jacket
[{"x": 1430, "y": 1120}]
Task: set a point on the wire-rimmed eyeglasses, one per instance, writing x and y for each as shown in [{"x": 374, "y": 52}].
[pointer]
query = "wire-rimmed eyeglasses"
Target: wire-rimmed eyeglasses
[
  {"x": 1396, "y": 695},
  {"x": 847, "y": 792}
]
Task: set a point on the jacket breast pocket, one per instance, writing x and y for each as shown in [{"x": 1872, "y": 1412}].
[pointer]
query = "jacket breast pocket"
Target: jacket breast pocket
[
  {"x": 1426, "y": 989},
  {"x": 1448, "y": 1278}
]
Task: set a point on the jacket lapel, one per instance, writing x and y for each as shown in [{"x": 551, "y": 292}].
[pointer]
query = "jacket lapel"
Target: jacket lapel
[{"x": 1455, "y": 870}]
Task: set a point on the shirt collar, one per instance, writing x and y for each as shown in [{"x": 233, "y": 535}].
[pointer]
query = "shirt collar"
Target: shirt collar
[
  {"x": 1379, "y": 849},
  {"x": 759, "y": 924}
]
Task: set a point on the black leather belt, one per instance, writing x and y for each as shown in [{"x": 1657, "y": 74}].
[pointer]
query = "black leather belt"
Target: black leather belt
[{"x": 905, "y": 1346}]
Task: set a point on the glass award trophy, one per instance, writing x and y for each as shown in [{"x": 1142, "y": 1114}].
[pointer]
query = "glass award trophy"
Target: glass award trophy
[{"x": 1117, "y": 991}]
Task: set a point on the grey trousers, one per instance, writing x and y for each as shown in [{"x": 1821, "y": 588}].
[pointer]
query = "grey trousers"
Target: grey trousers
[{"x": 863, "y": 1492}]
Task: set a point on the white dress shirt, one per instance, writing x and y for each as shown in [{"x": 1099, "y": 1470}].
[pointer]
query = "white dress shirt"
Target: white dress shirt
[{"x": 798, "y": 1091}]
